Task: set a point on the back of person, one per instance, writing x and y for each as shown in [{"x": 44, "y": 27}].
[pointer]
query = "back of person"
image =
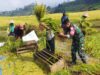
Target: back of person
[
  {"x": 49, "y": 34},
  {"x": 84, "y": 24},
  {"x": 11, "y": 28},
  {"x": 19, "y": 31},
  {"x": 63, "y": 18}
]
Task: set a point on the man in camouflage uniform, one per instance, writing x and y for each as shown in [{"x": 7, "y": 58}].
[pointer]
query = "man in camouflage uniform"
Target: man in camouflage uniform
[{"x": 77, "y": 41}]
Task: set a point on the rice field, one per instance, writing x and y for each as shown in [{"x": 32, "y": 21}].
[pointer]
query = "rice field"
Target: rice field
[
  {"x": 74, "y": 17},
  {"x": 24, "y": 64}
]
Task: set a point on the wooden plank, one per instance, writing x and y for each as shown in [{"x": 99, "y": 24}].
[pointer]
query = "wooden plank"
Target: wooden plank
[
  {"x": 52, "y": 59},
  {"x": 50, "y": 55},
  {"x": 57, "y": 66},
  {"x": 45, "y": 59},
  {"x": 53, "y": 67},
  {"x": 24, "y": 51},
  {"x": 24, "y": 48},
  {"x": 42, "y": 60}
]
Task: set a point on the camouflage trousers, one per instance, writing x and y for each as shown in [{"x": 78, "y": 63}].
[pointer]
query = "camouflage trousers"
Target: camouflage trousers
[{"x": 78, "y": 46}]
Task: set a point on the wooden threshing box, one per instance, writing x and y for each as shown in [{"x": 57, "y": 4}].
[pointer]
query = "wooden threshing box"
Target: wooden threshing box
[
  {"x": 53, "y": 63},
  {"x": 28, "y": 47}
]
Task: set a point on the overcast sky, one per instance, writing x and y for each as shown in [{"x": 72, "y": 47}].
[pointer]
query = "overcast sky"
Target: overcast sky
[{"x": 6, "y": 5}]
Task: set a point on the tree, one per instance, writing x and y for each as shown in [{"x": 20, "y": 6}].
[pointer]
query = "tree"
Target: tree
[{"x": 39, "y": 11}]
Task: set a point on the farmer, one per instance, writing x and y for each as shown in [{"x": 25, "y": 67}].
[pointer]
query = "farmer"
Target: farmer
[
  {"x": 19, "y": 31},
  {"x": 77, "y": 41},
  {"x": 63, "y": 18},
  {"x": 11, "y": 28},
  {"x": 50, "y": 38},
  {"x": 84, "y": 24}
]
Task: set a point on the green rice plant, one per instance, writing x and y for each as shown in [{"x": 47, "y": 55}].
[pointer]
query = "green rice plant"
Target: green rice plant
[
  {"x": 42, "y": 40},
  {"x": 29, "y": 28},
  {"x": 39, "y": 11},
  {"x": 3, "y": 38},
  {"x": 92, "y": 45},
  {"x": 51, "y": 23},
  {"x": 3, "y": 28},
  {"x": 11, "y": 45},
  {"x": 84, "y": 69},
  {"x": 62, "y": 72}
]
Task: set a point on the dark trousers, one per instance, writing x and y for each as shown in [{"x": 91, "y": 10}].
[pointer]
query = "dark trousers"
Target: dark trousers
[
  {"x": 50, "y": 45},
  {"x": 11, "y": 34},
  {"x": 81, "y": 54}
]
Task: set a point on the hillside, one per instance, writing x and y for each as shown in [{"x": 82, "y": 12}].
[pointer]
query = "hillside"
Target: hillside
[
  {"x": 77, "y": 5},
  {"x": 27, "y": 10}
]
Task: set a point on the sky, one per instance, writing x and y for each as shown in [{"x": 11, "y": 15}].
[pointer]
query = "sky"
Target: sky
[{"x": 7, "y": 5}]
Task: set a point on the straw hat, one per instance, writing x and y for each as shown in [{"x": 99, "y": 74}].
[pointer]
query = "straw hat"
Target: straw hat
[
  {"x": 11, "y": 21},
  {"x": 86, "y": 15}
]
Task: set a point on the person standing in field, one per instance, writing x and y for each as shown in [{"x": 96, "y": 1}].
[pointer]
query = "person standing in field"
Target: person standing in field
[
  {"x": 77, "y": 41},
  {"x": 63, "y": 18},
  {"x": 50, "y": 38},
  {"x": 11, "y": 28},
  {"x": 84, "y": 24}
]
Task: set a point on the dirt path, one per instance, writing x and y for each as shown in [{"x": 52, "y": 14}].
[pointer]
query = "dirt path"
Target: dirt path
[{"x": 63, "y": 48}]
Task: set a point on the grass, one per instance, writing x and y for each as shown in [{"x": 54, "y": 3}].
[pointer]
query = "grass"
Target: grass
[{"x": 20, "y": 65}]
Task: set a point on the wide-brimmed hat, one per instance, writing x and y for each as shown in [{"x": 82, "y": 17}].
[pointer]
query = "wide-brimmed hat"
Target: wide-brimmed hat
[
  {"x": 11, "y": 21},
  {"x": 85, "y": 14}
]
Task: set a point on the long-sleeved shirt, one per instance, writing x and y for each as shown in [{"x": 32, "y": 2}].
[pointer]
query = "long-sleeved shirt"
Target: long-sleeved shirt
[{"x": 49, "y": 34}]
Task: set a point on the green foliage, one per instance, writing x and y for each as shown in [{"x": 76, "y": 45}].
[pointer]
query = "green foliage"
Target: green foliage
[
  {"x": 92, "y": 45},
  {"x": 11, "y": 45},
  {"x": 3, "y": 27},
  {"x": 77, "y": 5},
  {"x": 42, "y": 42},
  {"x": 62, "y": 72},
  {"x": 86, "y": 27},
  {"x": 51, "y": 23},
  {"x": 86, "y": 69},
  {"x": 39, "y": 11},
  {"x": 3, "y": 38},
  {"x": 29, "y": 28}
]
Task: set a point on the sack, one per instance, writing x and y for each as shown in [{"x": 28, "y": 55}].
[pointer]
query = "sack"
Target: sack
[{"x": 30, "y": 37}]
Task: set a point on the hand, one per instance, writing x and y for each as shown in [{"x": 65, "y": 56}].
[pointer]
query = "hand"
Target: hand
[{"x": 61, "y": 34}]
